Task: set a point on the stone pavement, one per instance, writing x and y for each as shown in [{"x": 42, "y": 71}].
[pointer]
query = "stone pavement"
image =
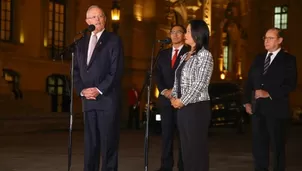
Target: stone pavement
[{"x": 45, "y": 149}]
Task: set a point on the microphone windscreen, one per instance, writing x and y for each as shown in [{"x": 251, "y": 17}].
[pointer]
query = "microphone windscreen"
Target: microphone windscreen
[
  {"x": 91, "y": 28},
  {"x": 168, "y": 40}
]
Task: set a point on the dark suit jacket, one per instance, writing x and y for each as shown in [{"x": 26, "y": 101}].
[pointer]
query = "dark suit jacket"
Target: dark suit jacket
[
  {"x": 279, "y": 81},
  {"x": 104, "y": 71},
  {"x": 164, "y": 73}
]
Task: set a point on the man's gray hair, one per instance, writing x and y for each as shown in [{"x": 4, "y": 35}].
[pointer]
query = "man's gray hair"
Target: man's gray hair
[{"x": 95, "y": 6}]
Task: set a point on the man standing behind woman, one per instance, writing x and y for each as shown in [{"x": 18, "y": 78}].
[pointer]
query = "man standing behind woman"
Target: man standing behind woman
[
  {"x": 168, "y": 61},
  {"x": 191, "y": 97}
]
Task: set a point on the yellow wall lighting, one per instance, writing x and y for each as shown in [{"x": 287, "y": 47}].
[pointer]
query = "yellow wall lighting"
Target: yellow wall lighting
[
  {"x": 45, "y": 41},
  {"x": 22, "y": 37},
  {"x": 156, "y": 93},
  {"x": 21, "y": 33},
  {"x": 222, "y": 76},
  {"x": 138, "y": 12},
  {"x": 115, "y": 14}
]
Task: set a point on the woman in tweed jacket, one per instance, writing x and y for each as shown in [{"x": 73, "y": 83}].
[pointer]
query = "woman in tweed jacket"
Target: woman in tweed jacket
[{"x": 190, "y": 95}]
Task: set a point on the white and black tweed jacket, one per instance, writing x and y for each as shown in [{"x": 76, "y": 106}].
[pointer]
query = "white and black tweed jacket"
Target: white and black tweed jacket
[{"x": 195, "y": 77}]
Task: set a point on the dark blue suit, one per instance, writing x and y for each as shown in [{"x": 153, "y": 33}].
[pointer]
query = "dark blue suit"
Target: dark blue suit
[
  {"x": 104, "y": 71},
  {"x": 270, "y": 115}
]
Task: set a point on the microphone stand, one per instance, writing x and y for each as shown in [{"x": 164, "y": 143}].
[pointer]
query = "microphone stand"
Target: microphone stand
[
  {"x": 148, "y": 84},
  {"x": 71, "y": 48}
]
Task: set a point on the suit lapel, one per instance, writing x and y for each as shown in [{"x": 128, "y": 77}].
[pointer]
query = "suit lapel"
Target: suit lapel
[
  {"x": 277, "y": 58},
  {"x": 262, "y": 63},
  {"x": 169, "y": 57},
  {"x": 274, "y": 62},
  {"x": 182, "y": 51},
  {"x": 86, "y": 46},
  {"x": 98, "y": 47}
]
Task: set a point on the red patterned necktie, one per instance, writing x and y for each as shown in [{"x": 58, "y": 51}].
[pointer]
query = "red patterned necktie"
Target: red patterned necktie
[{"x": 174, "y": 57}]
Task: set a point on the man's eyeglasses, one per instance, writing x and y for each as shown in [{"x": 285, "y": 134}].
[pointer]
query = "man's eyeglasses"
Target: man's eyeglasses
[
  {"x": 269, "y": 38},
  {"x": 97, "y": 16},
  {"x": 176, "y": 32}
]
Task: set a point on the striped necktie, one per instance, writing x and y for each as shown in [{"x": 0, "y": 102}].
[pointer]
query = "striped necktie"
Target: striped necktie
[{"x": 267, "y": 63}]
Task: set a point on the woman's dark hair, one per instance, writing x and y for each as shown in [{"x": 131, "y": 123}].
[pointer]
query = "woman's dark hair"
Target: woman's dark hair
[{"x": 200, "y": 34}]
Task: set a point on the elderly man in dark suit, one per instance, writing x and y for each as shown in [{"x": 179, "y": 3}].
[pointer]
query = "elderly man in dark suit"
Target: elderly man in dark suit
[
  {"x": 97, "y": 78},
  {"x": 272, "y": 77},
  {"x": 168, "y": 61}
]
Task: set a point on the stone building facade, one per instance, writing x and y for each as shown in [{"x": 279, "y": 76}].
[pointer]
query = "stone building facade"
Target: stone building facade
[{"x": 34, "y": 32}]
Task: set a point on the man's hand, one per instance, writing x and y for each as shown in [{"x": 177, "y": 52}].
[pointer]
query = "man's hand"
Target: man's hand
[
  {"x": 176, "y": 103},
  {"x": 168, "y": 93},
  {"x": 261, "y": 94},
  {"x": 90, "y": 93},
  {"x": 136, "y": 105},
  {"x": 248, "y": 108}
]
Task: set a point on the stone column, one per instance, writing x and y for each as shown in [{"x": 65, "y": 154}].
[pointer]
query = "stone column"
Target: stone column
[{"x": 207, "y": 13}]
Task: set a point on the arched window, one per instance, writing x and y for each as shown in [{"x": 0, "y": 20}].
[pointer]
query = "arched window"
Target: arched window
[
  {"x": 281, "y": 17},
  {"x": 13, "y": 78},
  {"x": 6, "y": 20},
  {"x": 225, "y": 51},
  {"x": 56, "y": 26},
  {"x": 57, "y": 86}
]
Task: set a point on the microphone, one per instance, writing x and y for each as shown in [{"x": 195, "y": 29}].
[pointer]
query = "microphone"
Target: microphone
[
  {"x": 165, "y": 41},
  {"x": 90, "y": 28}
]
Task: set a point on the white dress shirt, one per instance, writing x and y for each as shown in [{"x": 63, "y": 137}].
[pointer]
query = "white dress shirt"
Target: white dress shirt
[
  {"x": 274, "y": 55},
  {"x": 173, "y": 52}
]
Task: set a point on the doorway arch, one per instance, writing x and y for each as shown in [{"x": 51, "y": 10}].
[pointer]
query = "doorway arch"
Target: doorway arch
[{"x": 12, "y": 77}]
